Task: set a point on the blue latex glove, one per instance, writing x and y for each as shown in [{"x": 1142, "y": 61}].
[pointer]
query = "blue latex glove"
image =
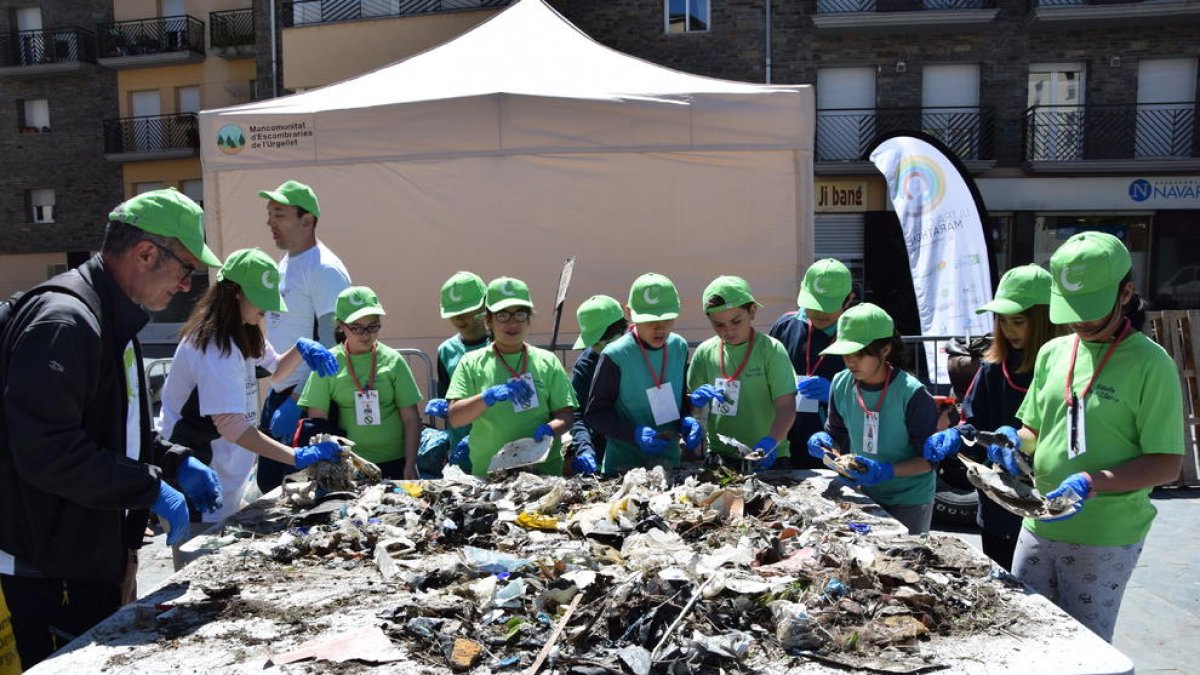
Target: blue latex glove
[
  {"x": 461, "y": 455},
  {"x": 648, "y": 440},
  {"x": 325, "y": 451},
  {"x": 1080, "y": 484},
  {"x": 516, "y": 390},
  {"x": 942, "y": 444},
  {"x": 172, "y": 507},
  {"x": 542, "y": 432},
  {"x": 438, "y": 407},
  {"x": 584, "y": 463},
  {"x": 815, "y": 388},
  {"x": 319, "y": 359},
  {"x": 770, "y": 449},
  {"x": 1006, "y": 458},
  {"x": 200, "y": 484},
  {"x": 818, "y": 442},
  {"x": 692, "y": 432},
  {"x": 284, "y": 421},
  {"x": 705, "y": 393},
  {"x": 876, "y": 472}
]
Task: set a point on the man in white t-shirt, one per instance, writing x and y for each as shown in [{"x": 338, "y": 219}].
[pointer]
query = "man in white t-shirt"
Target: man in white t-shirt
[{"x": 312, "y": 279}]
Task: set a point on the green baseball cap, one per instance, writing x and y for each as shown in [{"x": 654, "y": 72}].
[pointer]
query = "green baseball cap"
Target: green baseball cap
[
  {"x": 858, "y": 327},
  {"x": 825, "y": 286},
  {"x": 653, "y": 298},
  {"x": 462, "y": 293},
  {"x": 505, "y": 292},
  {"x": 1086, "y": 273},
  {"x": 595, "y": 315},
  {"x": 257, "y": 275},
  {"x": 734, "y": 291},
  {"x": 356, "y": 302},
  {"x": 1020, "y": 288},
  {"x": 168, "y": 213},
  {"x": 294, "y": 193}
]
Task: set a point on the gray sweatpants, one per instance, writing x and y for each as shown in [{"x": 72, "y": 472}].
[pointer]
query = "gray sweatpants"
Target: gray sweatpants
[{"x": 1087, "y": 582}]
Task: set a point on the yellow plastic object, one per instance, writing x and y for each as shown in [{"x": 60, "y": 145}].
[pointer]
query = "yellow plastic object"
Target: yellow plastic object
[
  {"x": 10, "y": 663},
  {"x": 414, "y": 490},
  {"x": 536, "y": 521}
]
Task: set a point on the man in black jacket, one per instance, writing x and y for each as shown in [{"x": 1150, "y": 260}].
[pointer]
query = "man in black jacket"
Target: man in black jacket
[{"x": 80, "y": 465}]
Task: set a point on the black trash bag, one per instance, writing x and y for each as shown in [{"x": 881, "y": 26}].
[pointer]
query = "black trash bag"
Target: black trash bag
[{"x": 962, "y": 361}]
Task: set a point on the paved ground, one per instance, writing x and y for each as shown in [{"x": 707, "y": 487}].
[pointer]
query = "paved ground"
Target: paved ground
[{"x": 1160, "y": 618}]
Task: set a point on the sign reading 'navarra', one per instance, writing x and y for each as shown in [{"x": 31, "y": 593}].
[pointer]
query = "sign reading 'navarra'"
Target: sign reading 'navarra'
[{"x": 232, "y": 139}]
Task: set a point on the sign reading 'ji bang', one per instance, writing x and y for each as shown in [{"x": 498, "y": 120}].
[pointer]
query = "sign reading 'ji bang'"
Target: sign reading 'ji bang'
[{"x": 841, "y": 196}]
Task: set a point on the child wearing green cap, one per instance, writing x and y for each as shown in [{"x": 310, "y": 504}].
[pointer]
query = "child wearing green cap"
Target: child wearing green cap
[
  {"x": 1103, "y": 421},
  {"x": 601, "y": 321},
  {"x": 745, "y": 375},
  {"x": 825, "y": 292},
  {"x": 210, "y": 398},
  {"x": 512, "y": 390},
  {"x": 882, "y": 415},
  {"x": 461, "y": 303},
  {"x": 636, "y": 396},
  {"x": 374, "y": 390},
  {"x": 1022, "y": 325}
]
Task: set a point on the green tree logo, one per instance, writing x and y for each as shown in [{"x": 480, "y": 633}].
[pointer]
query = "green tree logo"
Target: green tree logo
[{"x": 231, "y": 139}]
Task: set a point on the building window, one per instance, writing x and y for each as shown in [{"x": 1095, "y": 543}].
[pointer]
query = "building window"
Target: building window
[
  {"x": 686, "y": 16},
  {"x": 41, "y": 203},
  {"x": 193, "y": 188},
  {"x": 139, "y": 188},
  {"x": 35, "y": 115}
]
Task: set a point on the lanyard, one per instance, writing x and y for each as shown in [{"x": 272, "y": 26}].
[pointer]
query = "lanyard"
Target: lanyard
[
  {"x": 809, "y": 368},
  {"x": 662, "y": 376},
  {"x": 879, "y": 406},
  {"x": 1013, "y": 385},
  {"x": 1068, "y": 394},
  {"x": 350, "y": 367},
  {"x": 521, "y": 366},
  {"x": 745, "y": 359}
]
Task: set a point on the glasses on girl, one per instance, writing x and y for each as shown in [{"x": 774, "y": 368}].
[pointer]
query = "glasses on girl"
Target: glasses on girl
[
  {"x": 363, "y": 330},
  {"x": 520, "y": 316}
]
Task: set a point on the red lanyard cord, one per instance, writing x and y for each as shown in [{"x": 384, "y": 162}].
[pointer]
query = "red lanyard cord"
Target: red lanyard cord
[
  {"x": 1068, "y": 393},
  {"x": 878, "y": 406},
  {"x": 662, "y": 376},
  {"x": 809, "y": 368},
  {"x": 745, "y": 359},
  {"x": 520, "y": 366},
  {"x": 350, "y": 367},
  {"x": 1008, "y": 379}
]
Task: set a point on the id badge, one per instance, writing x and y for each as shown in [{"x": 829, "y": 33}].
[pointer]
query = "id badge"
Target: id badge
[
  {"x": 663, "y": 403},
  {"x": 1076, "y": 428},
  {"x": 733, "y": 391},
  {"x": 366, "y": 408},
  {"x": 870, "y": 442},
  {"x": 533, "y": 400},
  {"x": 805, "y": 404}
]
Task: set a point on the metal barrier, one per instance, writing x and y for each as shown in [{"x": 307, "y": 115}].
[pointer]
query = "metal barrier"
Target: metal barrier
[{"x": 431, "y": 380}]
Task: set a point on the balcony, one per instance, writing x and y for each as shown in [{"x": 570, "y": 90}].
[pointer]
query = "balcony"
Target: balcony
[
  {"x": 231, "y": 33},
  {"x": 33, "y": 53},
  {"x": 315, "y": 12},
  {"x": 1099, "y": 13},
  {"x": 1105, "y": 138},
  {"x": 909, "y": 16},
  {"x": 131, "y": 139},
  {"x": 843, "y": 136},
  {"x": 162, "y": 41}
]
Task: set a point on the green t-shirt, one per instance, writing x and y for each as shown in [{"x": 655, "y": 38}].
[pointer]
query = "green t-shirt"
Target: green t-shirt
[
  {"x": 767, "y": 376},
  {"x": 895, "y": 442},
  {"x": 383, "y": 442},
  {"x": 633, "y": 403},
  {"x": 481, "y": 369},
  {"x": 450, "y": 353},
  {"x": 1134, "y": 408}
]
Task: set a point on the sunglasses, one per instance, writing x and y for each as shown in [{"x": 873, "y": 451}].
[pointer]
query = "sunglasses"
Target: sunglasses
[
  {"x": 356, "y": 329},
  {"x": 188, "y": 270},
  {"x": 520, "y": 316}
]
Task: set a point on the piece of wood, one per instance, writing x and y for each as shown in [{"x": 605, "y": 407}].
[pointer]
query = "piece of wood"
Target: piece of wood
[
  {"x": 558, "y": 629},
  {"x": 679, "y": 619}
]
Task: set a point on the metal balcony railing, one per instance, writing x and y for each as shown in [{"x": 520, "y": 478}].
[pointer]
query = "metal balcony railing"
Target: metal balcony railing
[
  {"x": 1108, "y": 132},
  {"x": 847, "y": 6},
  {"x": 231, "y": 28},
  {"x": 311, "y": 12},
  {"x": 49, "y": 45},
  {"x": 151, "y": 36},
  {"x": 1077, "y": 3},
  {"x": 969, "y": 132},
  {"x": 152, "y": 133}
]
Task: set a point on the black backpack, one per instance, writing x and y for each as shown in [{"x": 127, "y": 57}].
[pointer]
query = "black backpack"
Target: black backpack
[{"x": 70, "y": 282}]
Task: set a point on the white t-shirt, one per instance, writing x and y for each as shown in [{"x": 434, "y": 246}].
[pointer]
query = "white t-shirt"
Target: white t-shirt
[
  {"x": 227, "y": 384},
  {"x": 311, "y": 282}
]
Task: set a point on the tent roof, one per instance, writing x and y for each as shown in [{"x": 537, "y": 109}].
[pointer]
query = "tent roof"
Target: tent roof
[{"x": 528, "y": 49}]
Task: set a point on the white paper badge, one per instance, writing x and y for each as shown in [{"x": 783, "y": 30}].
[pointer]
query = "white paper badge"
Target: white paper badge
[
  {"x": 366, "y": 408},
  {"x": 733, "y": 393},
  {"x": 870, "y": 442},
  {"x": 533, "y": 400},
  {"x": 805, "y": 404},
  {"x": 663, "y": 403},
  {"x": 1076, "y": 429}
]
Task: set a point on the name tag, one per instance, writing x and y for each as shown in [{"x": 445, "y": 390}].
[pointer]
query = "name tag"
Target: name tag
[
  {"x": 533, "y": 400},
  {"x": 870, "y": 443},
  {"x": 805, "y": 404},
  {"x": 1076, "y": 428},
  {"x": 733, "y": 393},
  {"x": 366, "y": 408},
  {"x": 664, "y": 404}
]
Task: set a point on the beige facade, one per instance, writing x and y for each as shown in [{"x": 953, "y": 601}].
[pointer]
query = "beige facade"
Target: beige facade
[{"x": 24, "y": 271}]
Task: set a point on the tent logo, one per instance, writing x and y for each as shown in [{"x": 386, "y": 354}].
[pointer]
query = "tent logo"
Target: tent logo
[
  {"x": 231, "y": 140},
  {"x": 922, "y": 184}
]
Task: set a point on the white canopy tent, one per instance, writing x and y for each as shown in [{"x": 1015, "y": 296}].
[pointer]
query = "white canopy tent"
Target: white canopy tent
[{"x": 514, "y": 146}]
